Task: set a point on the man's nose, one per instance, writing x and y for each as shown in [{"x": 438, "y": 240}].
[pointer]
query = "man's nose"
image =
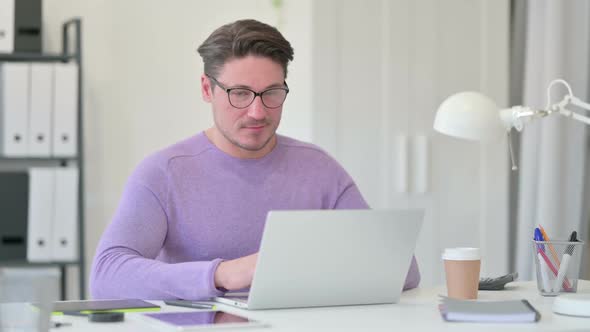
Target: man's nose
[{"x": 257, "y": 110}]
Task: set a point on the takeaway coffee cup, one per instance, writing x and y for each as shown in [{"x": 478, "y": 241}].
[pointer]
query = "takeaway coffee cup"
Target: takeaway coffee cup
[{"x": 462, "y": 272}]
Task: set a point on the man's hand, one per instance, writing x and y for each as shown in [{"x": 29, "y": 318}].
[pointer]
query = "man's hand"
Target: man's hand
[{"x": 237, "y": 273}]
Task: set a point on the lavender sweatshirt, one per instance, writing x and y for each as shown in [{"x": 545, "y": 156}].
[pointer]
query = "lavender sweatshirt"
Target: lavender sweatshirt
[{"x": 190, "y": 206}]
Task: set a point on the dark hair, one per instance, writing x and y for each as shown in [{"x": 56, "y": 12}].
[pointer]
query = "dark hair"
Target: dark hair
[{"x": 242, "y": 38}]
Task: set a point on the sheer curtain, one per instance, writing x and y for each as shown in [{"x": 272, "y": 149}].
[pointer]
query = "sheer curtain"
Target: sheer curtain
[{"x": 553, "y": 172}]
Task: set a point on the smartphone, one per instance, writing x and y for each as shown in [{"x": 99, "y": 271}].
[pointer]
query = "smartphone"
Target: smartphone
[{"x": 198, "y": 320}]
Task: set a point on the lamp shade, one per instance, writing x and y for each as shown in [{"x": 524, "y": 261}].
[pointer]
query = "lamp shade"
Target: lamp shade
[{"x": 469, "y": 115}]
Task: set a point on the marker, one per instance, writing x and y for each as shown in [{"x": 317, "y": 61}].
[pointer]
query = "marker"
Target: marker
[
  {"x": 542, "y": 263},
  {"x": 539, "y": 238},
  {"x": 569, "y": 251},
  {"x": 563, "y": 268}
]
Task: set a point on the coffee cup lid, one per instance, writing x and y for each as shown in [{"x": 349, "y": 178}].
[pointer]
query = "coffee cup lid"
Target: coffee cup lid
[{"x": 461, "y": 254}]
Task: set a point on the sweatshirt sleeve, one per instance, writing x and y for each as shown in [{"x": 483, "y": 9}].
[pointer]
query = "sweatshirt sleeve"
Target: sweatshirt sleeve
[{"x": 125, "y": 264}]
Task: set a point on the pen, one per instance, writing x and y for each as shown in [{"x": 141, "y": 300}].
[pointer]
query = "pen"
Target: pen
[
  {"x": 551, "y": 249},
  {"x": 190, "y": 304}
]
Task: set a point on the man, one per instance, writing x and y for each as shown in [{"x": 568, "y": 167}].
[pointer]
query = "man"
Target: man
[{"x": 191, "y": 217}]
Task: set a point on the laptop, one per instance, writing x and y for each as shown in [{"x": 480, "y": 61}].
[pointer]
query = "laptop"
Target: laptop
[{"x": 313, "y": 258}]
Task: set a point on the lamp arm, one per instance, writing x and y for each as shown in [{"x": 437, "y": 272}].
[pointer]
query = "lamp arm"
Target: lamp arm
[
  {"x": 567, "y": 100},
  {"x": 581, "y": 104},
  {"x": 573, "y": 115},
  {"x": 560, "y": 107},
  {"x": 516, "y": 116}
]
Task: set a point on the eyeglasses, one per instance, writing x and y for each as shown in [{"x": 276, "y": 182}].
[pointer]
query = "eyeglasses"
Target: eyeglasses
[{"x": 244, "y": 97}]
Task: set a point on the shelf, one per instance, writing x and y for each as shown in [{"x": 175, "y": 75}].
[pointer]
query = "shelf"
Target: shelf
[
  {"x": 23, "y": 164},
  {"x": 37, "y": 57},
  {"x": 71, "y": 51}
]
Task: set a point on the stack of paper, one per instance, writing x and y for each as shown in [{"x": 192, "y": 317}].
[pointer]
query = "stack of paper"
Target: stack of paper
[{"x": 514, "y": 311}]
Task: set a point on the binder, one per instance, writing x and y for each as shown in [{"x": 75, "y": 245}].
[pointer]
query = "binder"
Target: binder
[
  {"x": 41, "y": 106},
  {"x": 13, "y": 221},
  {"x": 40, "y": 220},
  {"x": 65, "y": 217},
  {"x": 7, "y": 26},
  {"x": 27, "y": 26},
  {"x": 14, "y": 108},
  {"x": 65, "y": 107}
]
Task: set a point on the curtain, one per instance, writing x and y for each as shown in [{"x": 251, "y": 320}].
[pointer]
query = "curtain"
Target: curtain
[{"x": 553, "y": 168}]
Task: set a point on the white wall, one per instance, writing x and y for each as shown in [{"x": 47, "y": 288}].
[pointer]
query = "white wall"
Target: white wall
[
  {"x": 383, "y": 68},
  {"x": 142, "y": 93},
  {"x": 142, "y": 81}
]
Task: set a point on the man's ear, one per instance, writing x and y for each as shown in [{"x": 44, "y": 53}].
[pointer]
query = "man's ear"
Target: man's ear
[{"x": 206, "y": 88}]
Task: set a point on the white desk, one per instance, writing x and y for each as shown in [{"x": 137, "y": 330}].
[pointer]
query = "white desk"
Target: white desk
[{"x": 416, "y": 311}]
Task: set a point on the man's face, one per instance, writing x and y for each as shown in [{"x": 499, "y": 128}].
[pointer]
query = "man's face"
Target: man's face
[{"x": 248, "y": 132}]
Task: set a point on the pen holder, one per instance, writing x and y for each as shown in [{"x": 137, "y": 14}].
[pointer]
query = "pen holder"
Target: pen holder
[{"x": 557, "y": 264}]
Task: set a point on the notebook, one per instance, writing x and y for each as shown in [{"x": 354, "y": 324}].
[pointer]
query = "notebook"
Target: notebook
[
  {"x": 120, "y": 305},
  {"x": 512, "y": 311}
]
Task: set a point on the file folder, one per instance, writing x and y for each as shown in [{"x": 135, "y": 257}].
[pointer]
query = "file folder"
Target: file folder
[
  {"x": 7, "y": 26},
  {"x": 14, "y": 108},
  {"x": 65, "y": 217},
  {"x": 41, "y": 197},
  {"x": 41, "y": 105},
  {"x": 65, "y": 107}
]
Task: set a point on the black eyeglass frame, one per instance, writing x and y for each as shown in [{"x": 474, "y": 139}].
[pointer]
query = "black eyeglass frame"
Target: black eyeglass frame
[{"x": 256, "y": 94}]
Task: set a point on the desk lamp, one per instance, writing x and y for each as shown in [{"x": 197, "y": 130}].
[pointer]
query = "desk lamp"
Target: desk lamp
[{"x": 474, "y": 116}]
